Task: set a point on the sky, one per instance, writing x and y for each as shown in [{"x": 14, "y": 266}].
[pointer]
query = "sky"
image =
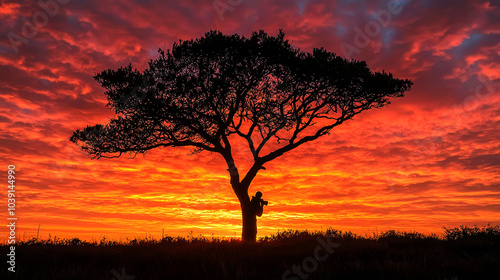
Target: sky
[{"x": 428, "y": 160}]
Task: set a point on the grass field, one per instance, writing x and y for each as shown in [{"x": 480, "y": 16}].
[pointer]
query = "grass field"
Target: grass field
[{"x": 460, "y": 253}]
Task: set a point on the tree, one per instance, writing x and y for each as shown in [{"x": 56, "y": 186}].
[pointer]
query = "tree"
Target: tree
[{"x": 206, "y": 92}]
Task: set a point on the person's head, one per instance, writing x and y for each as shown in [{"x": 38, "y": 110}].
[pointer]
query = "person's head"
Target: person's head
[{"x": 258, "y": 194}]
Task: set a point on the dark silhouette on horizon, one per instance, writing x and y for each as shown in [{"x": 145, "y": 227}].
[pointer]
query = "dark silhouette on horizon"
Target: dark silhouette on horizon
[{"x": 206, "y": 91}]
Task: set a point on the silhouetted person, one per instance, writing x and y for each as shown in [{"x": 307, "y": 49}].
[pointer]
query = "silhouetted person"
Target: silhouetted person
[{"x": 257, "y": 206}]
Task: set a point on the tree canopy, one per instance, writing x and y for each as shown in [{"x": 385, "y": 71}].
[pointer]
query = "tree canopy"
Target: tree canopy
[{"x": 260, "y": 88}]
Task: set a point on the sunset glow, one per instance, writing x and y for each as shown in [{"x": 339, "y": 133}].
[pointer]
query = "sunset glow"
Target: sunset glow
[{"x": 429, "y": 160}]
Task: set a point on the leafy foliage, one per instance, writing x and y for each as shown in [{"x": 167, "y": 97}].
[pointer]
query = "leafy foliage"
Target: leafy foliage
[{"x": 260, "y": 88}]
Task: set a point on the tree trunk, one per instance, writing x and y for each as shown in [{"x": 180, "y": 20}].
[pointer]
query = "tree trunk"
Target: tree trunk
[
  {"x": 249, "y": 219},
  {"x": 249, "y": 230}
]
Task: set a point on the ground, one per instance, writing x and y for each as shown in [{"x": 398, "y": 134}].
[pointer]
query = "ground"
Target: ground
[{"x": 461, "y": 253}]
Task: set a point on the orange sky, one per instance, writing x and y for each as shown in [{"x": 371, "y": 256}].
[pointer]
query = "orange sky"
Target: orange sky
[{"x": 428, "y": 160}]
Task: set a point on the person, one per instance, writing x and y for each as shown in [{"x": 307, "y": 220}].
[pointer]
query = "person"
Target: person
[
  {"x": 257, "y": 204},
  {"x": 257, "y": 207}
]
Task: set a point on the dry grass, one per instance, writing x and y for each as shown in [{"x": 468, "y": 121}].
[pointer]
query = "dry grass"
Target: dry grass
[{"x": 462, "y": 253}]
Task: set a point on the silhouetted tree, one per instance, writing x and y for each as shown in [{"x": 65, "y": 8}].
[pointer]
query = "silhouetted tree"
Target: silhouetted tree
[{"x": 220, "y": 87}]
